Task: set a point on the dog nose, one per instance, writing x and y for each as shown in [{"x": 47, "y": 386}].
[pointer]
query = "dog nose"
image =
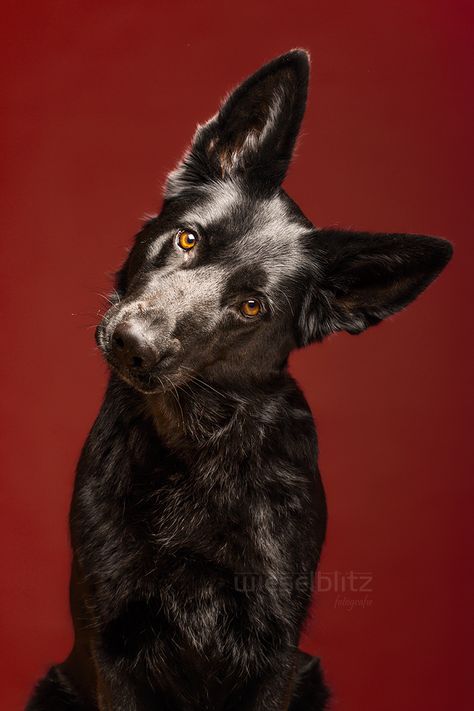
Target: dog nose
[{"x": 130, "y": 346}]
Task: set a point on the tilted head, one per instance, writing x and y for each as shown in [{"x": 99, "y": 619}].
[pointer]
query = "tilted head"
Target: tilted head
[{"x": 231, "y": 276}]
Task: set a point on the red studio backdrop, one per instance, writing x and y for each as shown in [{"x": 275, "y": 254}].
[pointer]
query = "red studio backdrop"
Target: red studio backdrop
[{"x": 99, "y": 101}]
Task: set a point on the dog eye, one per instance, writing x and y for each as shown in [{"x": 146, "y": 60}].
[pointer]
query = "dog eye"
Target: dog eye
[
  {"x": 251, "y": 308},
  {"x": 186, "y": 239}
]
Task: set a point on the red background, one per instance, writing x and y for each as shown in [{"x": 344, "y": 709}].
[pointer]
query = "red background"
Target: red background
[{"x": 100, "y": 100}]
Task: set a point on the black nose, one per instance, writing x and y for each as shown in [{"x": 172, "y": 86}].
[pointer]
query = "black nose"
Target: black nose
[{"x": 130, "y": 347}]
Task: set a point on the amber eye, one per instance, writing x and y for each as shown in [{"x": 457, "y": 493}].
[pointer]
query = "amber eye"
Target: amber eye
[
  {"x": 186, "y": 239},
  {"x": 251, "y": 308}
]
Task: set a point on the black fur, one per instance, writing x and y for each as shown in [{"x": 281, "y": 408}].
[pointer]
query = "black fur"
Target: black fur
[{"x": 198, "y": 514}]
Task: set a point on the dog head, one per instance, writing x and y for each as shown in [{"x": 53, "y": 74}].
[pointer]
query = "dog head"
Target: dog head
[{"x": 231, "y": 276}]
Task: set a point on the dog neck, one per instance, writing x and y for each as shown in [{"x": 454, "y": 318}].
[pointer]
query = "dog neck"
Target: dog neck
[
  {"x": 190, "y": 416},
  {"x": 198, "y": 416}
]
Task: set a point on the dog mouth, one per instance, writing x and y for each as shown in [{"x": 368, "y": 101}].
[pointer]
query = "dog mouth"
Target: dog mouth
[{"x": 146, "y": 383}]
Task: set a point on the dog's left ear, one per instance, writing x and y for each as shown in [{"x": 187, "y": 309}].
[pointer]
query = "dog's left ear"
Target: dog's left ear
[
  {"x": 357, "y": 279},
  {"x": 254, "y": 132}
]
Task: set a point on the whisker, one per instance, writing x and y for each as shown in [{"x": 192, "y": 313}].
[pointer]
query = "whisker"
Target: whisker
[
  {"x": 203, "y": 383},
  {"x": 175, "y": 395},
  {"x": 106, "y": 298}
]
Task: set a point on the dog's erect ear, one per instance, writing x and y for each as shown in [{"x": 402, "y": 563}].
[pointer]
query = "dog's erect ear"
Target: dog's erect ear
[
  {"x": 357, "y": 279},
  {"x": 254, "y": 132}
]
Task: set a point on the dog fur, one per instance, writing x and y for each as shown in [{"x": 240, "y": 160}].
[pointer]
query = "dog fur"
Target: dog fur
[{"x": 198, "y": 515}]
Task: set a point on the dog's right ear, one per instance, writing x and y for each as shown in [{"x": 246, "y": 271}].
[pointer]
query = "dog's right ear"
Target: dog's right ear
[{"x": 254, "y": 132}]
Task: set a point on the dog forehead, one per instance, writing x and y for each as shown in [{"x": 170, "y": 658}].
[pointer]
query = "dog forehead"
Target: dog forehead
[{"x": 261, "y": 229}]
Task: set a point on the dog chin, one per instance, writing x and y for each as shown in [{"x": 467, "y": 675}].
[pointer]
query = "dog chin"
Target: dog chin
[{"x": 147, "y": 386}]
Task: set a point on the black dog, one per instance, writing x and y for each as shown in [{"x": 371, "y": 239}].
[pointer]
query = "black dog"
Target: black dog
[{"x": 198, "y": 513}]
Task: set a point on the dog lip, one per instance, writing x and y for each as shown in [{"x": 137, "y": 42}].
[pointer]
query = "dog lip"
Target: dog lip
[
  {"x": 144, "y": 386},
  {"x": 145, "y": 382}
]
